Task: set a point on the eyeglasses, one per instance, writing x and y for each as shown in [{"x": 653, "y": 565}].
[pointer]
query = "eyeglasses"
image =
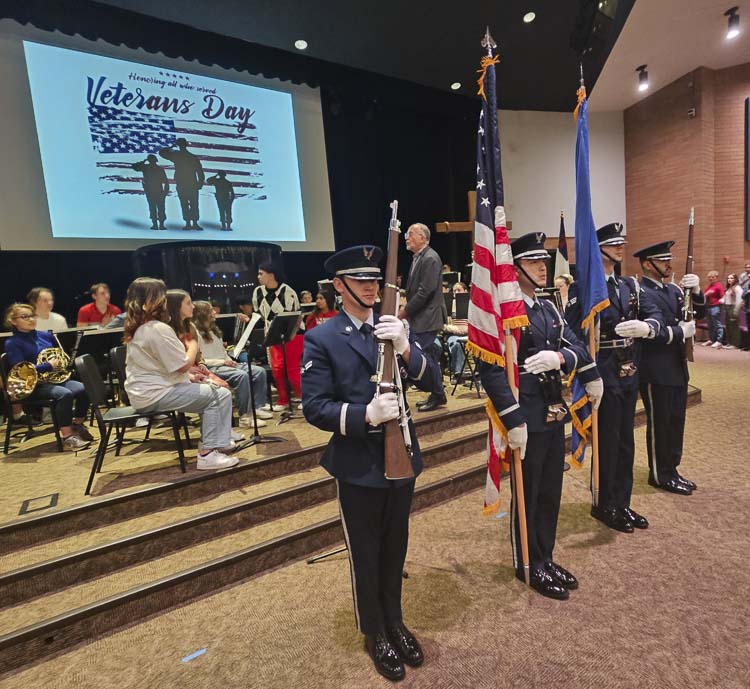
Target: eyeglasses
[{"x": 27, "y": 317}]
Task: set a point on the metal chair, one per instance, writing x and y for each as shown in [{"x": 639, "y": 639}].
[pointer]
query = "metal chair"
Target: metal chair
[
  {"x": 28, "y": 406},
  {"x": 114, "y": 417}
]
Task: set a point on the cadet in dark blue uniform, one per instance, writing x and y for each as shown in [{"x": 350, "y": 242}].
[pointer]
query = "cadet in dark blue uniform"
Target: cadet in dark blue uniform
[
  {"x": 339, "y": 396},
  {"x": 536, "y": 424},
  {"x": 664, "y": 372},
  {"x": 629, "y": 319}
]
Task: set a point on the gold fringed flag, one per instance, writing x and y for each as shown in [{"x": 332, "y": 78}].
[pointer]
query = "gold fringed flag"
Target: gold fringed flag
[{"x": 496, "y": 300}]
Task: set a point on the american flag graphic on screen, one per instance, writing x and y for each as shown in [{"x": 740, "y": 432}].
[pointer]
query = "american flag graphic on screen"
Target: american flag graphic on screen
[{"x": 121, "y": 138}]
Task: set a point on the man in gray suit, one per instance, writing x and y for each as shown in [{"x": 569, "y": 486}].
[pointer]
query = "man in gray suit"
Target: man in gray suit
[{"x": 425, "y": 306}]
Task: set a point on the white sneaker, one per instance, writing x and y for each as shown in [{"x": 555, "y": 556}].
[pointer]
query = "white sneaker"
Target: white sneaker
[
  {"x": 73, "y": 442},
  {"x": 729, "y": 347},
  {"x": 716, "y": 345},
  {"x": 275, "y": 407},
  {"x": 246, "y": 420},
  {"x": 215, "y": 460},
  {"x": 263, "y": 414},
  {"x": 707, "y": 343},
  {"x": 237, "y": 437},
  {"x": 141, "y": 422}
]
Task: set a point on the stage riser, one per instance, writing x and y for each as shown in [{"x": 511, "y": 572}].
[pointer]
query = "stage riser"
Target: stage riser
[
  {"x": 77, "y": 568},
  {"x": 65, "y": 523},
  {"x": 59, "y": 634}
]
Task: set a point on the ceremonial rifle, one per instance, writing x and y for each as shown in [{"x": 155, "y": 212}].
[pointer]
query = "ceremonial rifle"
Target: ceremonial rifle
[
  {"x": 688, "y": 310},
  {"x": 397, "y": 437}
]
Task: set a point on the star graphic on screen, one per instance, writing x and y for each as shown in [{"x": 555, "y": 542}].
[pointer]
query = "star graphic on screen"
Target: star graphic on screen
[
  {"x": 481, "y": 131},
  {"x": 485, "y": 201},
  {"x": 481, "y": 184}
]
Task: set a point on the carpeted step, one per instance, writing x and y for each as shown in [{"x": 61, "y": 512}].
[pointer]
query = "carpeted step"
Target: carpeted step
[{"x": 260, "y": 463}]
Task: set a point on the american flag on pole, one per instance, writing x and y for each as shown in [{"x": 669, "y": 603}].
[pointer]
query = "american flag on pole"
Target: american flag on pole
[
  {"x": 496, "y": 300},
  {"x": 121, "y": 138}
]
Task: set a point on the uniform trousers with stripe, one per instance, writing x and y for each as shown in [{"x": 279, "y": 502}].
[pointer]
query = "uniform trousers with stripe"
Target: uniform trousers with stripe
[
  {"x": 376, "y": 528},
  {"x": 616, "y": 446},
  {"x": 665, "y": 426},
  {"x": 542, "y": 485}
]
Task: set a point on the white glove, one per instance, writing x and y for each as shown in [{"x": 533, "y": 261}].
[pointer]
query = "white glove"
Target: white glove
[
  {"x": 595, "y": 391},
  {"x": 688, "y": 329},
  {"x": 382, "y": 409},
  {"x": 692, "y": 282},
  {"x": 517, "y": 439},
  {"x": 633, "y": 329},
  {"x": 546, "y": 360},
  {"x": 391, "y": 328}
]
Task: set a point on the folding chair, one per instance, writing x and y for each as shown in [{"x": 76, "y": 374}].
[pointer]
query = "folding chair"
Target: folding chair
[
  {"x": 114, "y": 417},
  {"x": 28, "y": 406}
]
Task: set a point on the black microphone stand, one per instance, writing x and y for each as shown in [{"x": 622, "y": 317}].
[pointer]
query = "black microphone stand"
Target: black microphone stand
[{"x": 256, "y": 438}]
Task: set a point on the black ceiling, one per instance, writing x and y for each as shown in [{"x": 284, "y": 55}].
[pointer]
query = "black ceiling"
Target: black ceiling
[{"x": 429, "y": 43}]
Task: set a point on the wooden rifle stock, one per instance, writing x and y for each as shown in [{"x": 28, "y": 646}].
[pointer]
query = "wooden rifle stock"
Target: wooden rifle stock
[
  {"x": 688, "y": 315},
  {"x": 397, "y": 455}
]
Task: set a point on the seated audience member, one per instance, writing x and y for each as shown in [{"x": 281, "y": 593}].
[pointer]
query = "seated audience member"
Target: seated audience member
[
  {"x": 324, "y": 309},
  {"x": 216, "y": 306},
  {"x": 563, "y": 282},
  {"x": 457, "y": 330},
  {"x": 99, "y": 312},
  {"x": 42, "y": 299},
  {"x": 732, "y": 305},
  {"x": 271, "y": 298},
  {"x": 157, "y": 373},
  {"x": 305, "y": 297},
  {"x": 72, "y": 403},
  {"x": 236, "y": 374}
]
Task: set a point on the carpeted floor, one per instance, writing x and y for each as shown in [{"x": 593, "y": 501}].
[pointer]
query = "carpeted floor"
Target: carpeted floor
[{"x": 662, "y": 609}]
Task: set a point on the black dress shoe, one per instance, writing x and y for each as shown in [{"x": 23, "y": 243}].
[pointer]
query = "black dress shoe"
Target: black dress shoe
[
  {"x": 613, "y": 518},
  {"x": 432, "y": 403},
  {"x": 671, "y": 486},
  {"x": 384, "y": 656},
  {"x": 637, "y": 520},
  {"x": 542, "y": 582},
  {"x": 562, "y": 575},
  {"x": 687, "y": 482},
  {"x": 405, "y": 644}
]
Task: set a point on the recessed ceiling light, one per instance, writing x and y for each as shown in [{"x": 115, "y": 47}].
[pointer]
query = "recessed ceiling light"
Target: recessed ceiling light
[
  {"x": 456, "y": 85},
  {"x": 529, "y": 17},
  {"x": 733, "y": 28},
  {"x": 300, "y": 44},
  {"x": 642, "y": 78}
]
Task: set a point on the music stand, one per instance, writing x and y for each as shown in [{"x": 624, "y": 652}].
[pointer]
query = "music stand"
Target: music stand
[
  {"x": 451, "y": 277},
  {"x": 283, "y": 328},
  {"x": 245, "y": 344},
  {"x": 462, "y": 306},
  {"x": 448, "y": 299}
]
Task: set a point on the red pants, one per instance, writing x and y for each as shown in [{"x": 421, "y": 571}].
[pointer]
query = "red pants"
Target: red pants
[{"x": 293, "y": 358}]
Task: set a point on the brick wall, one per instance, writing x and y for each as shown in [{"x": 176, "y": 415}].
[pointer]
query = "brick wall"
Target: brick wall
[{"x": 673, "y": 162}]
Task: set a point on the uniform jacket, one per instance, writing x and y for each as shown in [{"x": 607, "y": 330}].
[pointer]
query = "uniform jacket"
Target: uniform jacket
[
  {"x": 336, "y": 390},
  {"x": 26, "y": 347},
  {"x": 425, "y": 306},
  {"x": 619, "y": 310},
  {"x": 549, "y": 331},
  {"x": 663, "y": 360}
]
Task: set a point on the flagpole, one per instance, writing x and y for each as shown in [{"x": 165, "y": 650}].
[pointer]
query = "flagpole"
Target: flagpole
[
  {"x": 594, "y": 426},
  {"x": 519, "y": 497}
]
